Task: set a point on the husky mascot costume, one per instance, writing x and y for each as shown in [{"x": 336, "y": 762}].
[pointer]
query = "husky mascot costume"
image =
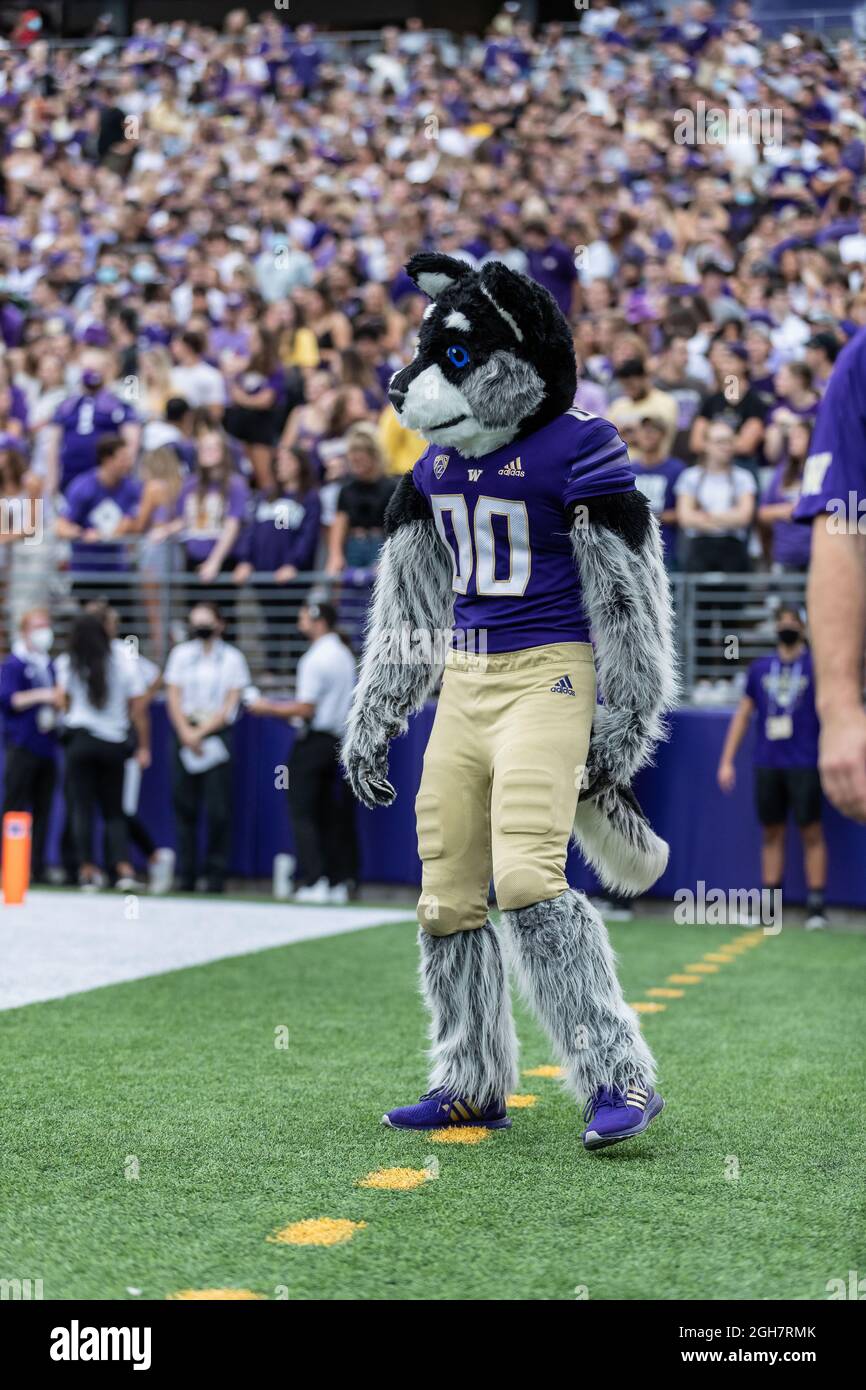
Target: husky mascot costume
[{"x": 521, "y": 529}]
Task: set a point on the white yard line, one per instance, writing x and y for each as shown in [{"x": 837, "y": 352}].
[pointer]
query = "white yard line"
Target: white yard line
[{"x": 63, "y": 943}]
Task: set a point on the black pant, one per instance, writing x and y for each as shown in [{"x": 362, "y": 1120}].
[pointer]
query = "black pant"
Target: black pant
[
  {"x": 94, "y": 774},
  {"x": 213, "y": 791},
  {"x": 322, "y": 812},
  {"x": 29, "y": 786}
]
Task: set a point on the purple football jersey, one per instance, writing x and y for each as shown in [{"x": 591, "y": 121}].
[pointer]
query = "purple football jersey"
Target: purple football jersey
[
  {"x": 504, "y": 519},
  {"x": 834, "y": 478},
  {"x": 95, "y": 507},
  {"x": 83, "y": 420},
  {"x": 778, "y": 687}
]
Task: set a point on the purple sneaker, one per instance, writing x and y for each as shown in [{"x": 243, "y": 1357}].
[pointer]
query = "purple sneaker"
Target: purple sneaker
[
  {"x": 612, "y": 1116},
  {"x": 441, "y": 1110}
]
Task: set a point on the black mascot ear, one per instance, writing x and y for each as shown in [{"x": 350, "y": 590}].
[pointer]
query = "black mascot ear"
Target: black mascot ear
[
  {"x": 528, "y": 310},
  {"x": 538, "y": 325},
  {"x": 435, "y": 273}
]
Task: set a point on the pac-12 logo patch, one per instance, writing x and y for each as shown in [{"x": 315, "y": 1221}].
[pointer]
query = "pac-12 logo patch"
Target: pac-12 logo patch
[{"x": 440, "y": 463}]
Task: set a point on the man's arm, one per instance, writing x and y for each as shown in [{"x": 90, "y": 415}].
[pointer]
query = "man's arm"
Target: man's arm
[
  {"x": 836, "y": 599},
  {"x": 412, "y": 594}
]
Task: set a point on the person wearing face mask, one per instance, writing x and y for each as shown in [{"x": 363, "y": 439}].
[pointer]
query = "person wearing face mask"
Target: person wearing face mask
[
  {"x": 204, "y": 679},
  {"x": 780, "y": 689},
  {"x": 30, "y": 699},
  {"x": 81, "y": 420}
]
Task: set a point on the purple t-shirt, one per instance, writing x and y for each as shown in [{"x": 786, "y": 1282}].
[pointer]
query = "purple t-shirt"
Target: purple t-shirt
[
  {"x": 205, "y": 515},
  {"x": 554, "y": 268},
  {"x": 504, "y": 519},
  {"x": 658, "y": 485},
  {"x": 22, "y": 728},
  {"x": 83, "y": 420},
  {"x": 89, "y": 503},
  {"x": 792, "y": 543},
  {"x": 776, "y": 688},
  {"x": 282, "y": 531},
  {"x": 834, "y": 478}
]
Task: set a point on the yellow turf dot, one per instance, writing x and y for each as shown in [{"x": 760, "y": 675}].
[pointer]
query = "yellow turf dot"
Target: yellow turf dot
[
  {"x": 720, "y": 956},
  {"x": 542, "y": 1071},
  {"x": 317, "y": 1230},
  {"x": 701, "y": 968},
  {"x": 521, "y": 1102},
  {"x": 470, "y": 1135},
  {"x": 211, "y": 1294},
  {"x": 684, "y": 979},
  {"x": 395, "y": 1179},
  {"x": 659, "y": 993},
  {"x": 643, "y": 1007}
]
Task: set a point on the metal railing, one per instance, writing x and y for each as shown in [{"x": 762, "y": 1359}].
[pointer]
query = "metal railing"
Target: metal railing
[{"x": 722, "y": 621}]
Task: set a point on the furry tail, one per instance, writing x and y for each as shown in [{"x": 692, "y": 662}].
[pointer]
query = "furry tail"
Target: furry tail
[{"x": 617, "y": 841}]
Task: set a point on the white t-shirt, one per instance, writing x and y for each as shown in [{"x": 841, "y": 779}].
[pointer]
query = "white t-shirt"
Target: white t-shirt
[
  {"x": 199, "y": 385},
  {"x": 326, "y": 679},
  {"x": 204, "y": 677},
  {"x": 716, "y": 492},
  {"x": 125, "y": 683}
]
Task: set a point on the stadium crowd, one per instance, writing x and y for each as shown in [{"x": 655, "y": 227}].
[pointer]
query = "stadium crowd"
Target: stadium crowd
[{"x": 202, "y": 298}]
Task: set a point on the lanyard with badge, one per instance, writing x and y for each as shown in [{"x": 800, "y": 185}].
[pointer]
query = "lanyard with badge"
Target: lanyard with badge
[{"x": 781, "y": 702}]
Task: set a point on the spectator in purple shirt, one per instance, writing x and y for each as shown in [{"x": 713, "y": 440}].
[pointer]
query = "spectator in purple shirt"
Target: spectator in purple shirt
[
  {"x": 83, "y": 419},
  {"x": 96, "y": 514},
  {"x": 30, "y": 700},
  {"x": 280, "y": 543},
  {"x": 209, "y": 511},
  {"x": 552, "y": 265},
  {"x": 791, "y": 543},
  {"x": 656, "y": 472}
]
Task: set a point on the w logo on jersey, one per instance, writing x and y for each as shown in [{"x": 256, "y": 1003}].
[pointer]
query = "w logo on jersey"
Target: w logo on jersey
[
  {"x": 563, "y": 687},
  {"x": 512, "y": 470},
  {"x": 475, "y": 474}
]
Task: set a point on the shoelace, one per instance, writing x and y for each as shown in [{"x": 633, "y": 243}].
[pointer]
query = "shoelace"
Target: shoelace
[{"x": 603, "y": 1099}]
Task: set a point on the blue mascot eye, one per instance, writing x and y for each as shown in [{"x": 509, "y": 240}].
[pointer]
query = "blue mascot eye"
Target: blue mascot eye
[{"x": 458, "y": 356}]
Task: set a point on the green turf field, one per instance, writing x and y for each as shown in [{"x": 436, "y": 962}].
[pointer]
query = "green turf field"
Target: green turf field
[{"x": 177, "y": 1079}]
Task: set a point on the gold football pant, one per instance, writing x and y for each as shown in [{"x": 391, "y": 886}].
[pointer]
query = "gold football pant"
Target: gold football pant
[{"x": 502, "y": 772}]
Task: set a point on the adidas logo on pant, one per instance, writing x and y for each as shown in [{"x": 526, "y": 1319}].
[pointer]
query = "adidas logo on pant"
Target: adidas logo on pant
[{"x": 563, "y": 687}]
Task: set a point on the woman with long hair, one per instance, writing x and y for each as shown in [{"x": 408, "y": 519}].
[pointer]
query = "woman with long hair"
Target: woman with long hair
[
  {"x": 209, "y": 511},
  {"x": 161, "y": 473},
  {"x": 105, "y": 724},
  {"x": 257, "y": 387},
  {"x": 791, "y": 542}
]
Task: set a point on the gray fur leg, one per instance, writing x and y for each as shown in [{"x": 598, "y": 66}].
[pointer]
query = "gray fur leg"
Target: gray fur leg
[
  {"x": 567, "y": 971},
  {"x": 473, "y": 1048}
]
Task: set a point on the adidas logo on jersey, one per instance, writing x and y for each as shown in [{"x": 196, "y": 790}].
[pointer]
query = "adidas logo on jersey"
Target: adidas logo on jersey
[
  {"x": 563, "y": 687},
  {"x": 512, "y": 470}
]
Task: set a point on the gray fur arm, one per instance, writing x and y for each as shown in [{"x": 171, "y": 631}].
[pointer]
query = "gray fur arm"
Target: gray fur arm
[
  {"x": 618, "y": 551},
  {"x": 411, "y": 611}
]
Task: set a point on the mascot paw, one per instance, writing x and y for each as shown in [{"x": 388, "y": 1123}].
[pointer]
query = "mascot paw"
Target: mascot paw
[{"x": 368, "y": 778}]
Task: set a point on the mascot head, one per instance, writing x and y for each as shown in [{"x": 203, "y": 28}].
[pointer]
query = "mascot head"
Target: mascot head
[{"x": 494, "y": 361}]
